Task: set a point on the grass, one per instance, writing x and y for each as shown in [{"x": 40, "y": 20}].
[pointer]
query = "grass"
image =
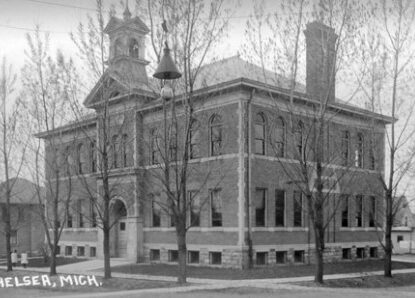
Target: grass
[
  {"x": 39, "y": 262},
  {"x": 112, "y": 284},
  {"x": 259, "y": 272},
  {"x": 372, "y": 281}
]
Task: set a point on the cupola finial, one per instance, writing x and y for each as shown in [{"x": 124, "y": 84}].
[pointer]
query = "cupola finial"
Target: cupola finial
[{"x": 127, "y": 13}]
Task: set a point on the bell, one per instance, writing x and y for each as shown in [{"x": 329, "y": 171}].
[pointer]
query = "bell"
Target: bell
[{"x": 167, "y": 70}]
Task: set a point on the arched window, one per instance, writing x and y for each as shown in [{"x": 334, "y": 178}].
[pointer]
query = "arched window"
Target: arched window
[
  {"x": 117, "y": 47},
  {"x": 154, "y": 144},
  {"x": 133, "y": 48},
  {"x": 372, "y": 160},
  {"x": 125, "y": 150},
  {"x": 82, "y": 158},
  {"x": 215, "y": 129},
  {"x": 345, "y": 145},
  {"x": 359, "y": 151},
  {"x": 115, "y": 151},
  {"x": 299, "y": 139},
  {"x": 260, "y": 134},
  {"x": 68, "y": 160},
  {"x": 93, "y": 156},
  {"x": 280, "y": 137},
  {"x": 194, "y": 139}
]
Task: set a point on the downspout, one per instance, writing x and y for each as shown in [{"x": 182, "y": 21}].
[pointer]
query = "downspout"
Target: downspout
[{"x": 248, "y": 178}]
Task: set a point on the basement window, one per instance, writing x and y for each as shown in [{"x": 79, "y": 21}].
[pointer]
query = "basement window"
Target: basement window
[
  {"x": 261, "y": 258},
  {"x": 281, "y": 257},
  {"x": 215, "y": 258}
]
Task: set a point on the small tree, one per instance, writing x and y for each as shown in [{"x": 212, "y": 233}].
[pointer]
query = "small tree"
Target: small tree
[
  {"x": 46, "y": 106},
  {"x": 10, "y": 142}
]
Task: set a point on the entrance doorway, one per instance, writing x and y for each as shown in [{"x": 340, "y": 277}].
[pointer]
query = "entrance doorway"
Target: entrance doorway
[{"x": 118, "y": 240}]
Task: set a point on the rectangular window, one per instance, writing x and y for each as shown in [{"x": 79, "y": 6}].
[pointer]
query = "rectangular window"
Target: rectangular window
[
  {"x": 373, "y": 251},
  {"x": 80, "y": 251},
  {"x": 360, "y": 253},
  {"x": 372, "y": 211},
  {"x": 260, "y": 207},
  {"x": 154, "y": 254},
  {"x": 194, "y": 214},
  {"x": 93, "y": 221},
  {"x": 359, "y": 211},
  {"x": 156, "y": 212},
  {"x": 80, "y": 213},
  {"x": 298, "y": 209},
  {"x": 58, "y": 250},
  {"x": 193, "y": 257},
  {"x": 69, "y": 222},
  {"x": 122, "y": 226},
  {"x": 399, "y": 238},
  {"x": 261, "y": 258},
  {"x": 173, "y": 255},
  {"x": 281, "y": 257},
  {"x": 215, "y": 258},
  {"x": 92, "y": 251},
  {"x": 346, "y": 253},
  {"x": 345, "y": 210},
  {"x": 279, "y": 208},
  {"x": 299, "y": 256},
  {"x": 13, "y": 237},
  {"x": 216, "y": 208},
  {"x": 68, "y": 250}
]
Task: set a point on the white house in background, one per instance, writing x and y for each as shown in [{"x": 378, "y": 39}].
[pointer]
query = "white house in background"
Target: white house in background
[{"x": 403, "y": 232}]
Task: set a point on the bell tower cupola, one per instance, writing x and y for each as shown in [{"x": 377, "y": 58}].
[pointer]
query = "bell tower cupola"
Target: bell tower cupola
[{"x": 127, "y": 45}]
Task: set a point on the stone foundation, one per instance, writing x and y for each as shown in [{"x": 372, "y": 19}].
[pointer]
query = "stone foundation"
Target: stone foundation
[{"x": 238, "y": 258}]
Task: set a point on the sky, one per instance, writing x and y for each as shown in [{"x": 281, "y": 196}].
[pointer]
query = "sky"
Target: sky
[{"x": 60, "y": 17}]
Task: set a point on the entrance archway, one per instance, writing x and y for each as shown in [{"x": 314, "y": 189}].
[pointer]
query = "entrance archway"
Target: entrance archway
[{"x": 118, "y": 235}]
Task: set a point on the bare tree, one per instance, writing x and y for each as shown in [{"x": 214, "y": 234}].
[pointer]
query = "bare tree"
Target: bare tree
[
  {"x": 387, "y": 86},
  {"x": 192, "y": 28},
  {"x": 11, "y": 158},
  {"x": 46, "y": 106}
]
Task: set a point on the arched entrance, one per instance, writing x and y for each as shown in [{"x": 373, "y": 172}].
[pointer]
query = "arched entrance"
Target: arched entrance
[{"x": 118, "y": 235}]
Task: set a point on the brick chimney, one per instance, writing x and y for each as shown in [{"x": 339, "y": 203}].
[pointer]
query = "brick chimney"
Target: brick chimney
[{"x": 320, "y": 61}]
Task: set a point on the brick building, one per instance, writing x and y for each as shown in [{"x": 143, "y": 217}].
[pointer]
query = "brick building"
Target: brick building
[
  {"x": 27, "y": 233},
  {"x": 242, "y": 139}
]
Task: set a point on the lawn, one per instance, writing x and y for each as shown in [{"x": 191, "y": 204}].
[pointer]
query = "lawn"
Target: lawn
[
  {"x": 39, "y": 262},
  {"x": 373, "y": 281},
  {"x": 258, "y": 272}
]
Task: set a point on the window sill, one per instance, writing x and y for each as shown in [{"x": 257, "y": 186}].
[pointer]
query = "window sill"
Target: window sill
[
  {"x": 279, "y": 229},
  {"x": 360, "y": 229}
]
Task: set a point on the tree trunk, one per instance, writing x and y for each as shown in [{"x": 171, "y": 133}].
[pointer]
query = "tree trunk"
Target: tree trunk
[
  {"x": 52, "y": 267},
  {"x": 319, "y": 240},
  {"x": 107, "y": 264},
  {"x": 181, "y": 243},
  {"x": 388, "y": 236},
  {"x": 8, "y": 246}
]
